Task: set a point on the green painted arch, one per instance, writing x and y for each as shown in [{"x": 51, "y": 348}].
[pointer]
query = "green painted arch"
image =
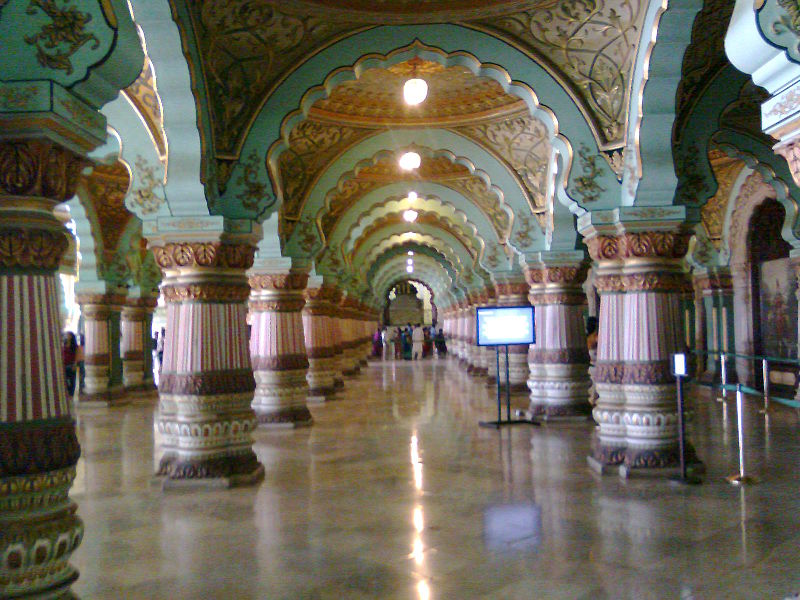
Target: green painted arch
[
  {"x": 482, "y": 53},
  {"x": 407, "y": 240},
  {"x": 393, "y": 199},
  {"x": 461, "y": 231},
  {"x": 468, "y": 153},
  {"x": 416, "y": 249},
  {"x": 696, "y": 180},
  {"x": 657, "y": 73},
  {"x": 408, "y": 231},
  {"x": 427, "y": 269},
  {"x": 90, "y": 265},
  {"x": 774, "y": 170}
]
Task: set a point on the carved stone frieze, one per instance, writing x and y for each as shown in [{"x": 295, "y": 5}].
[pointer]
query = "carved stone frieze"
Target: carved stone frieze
[
  {"x": 644, "y": 244},
  {"x": 285, "y": 304},
  {"x": 39, "y": 169},
  {"x": 106, "y": 187},
  {"x": 182, "y": 255},
  {"x": 562, "y": 298},
  {"x": 31, "y": 248},
  {"x": 571, "y": 275},
  {"x": 655, "y": 281},
  {"x": 206, "y": 292},
  {"x": 279, "y": 281}
]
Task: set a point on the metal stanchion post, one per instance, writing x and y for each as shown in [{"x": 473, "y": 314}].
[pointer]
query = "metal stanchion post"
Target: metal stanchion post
[
  {"x": 765, "y": 376},
  {"x": 740, "y": 478},
  {"x": 723, "y": 371},
  {"x": 679, "y": 369}
]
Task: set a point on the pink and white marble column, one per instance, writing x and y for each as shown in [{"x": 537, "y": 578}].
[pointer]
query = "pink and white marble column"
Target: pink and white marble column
[
  {"x": 474, "y": 361},
  {"x": 350, "y": 352},
  {"x": 206, "y": 385},
  {"x": 320, "y": 344},
  {"x": 103, "y": 361},
  {"x": 644, "y": 327},
  {"x": 278, "y": 349},
  {"x": 334, "y": 320},
  {"x": 137, "y": 356},
  {"x": 39, "y": 528},
  {"x": 559, "y": 360}
]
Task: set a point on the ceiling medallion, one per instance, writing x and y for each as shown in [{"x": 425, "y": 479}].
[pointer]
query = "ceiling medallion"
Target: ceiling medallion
[{"x": 410, "y": 161}]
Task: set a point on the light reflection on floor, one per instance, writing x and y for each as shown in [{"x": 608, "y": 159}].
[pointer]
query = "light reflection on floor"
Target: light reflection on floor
[{"x": 395, "y": 492}]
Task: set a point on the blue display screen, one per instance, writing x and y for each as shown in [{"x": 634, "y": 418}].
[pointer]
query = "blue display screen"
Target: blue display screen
[{"x": 507, "y": 325}]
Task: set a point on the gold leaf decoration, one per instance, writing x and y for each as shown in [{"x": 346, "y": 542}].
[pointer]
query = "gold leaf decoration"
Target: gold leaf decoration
[{"x": 58, "y": 40}]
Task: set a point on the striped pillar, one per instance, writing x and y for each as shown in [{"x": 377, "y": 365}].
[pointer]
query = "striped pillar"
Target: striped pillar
[
  {"x": 320, "y": 345},
  {"x": 137, "y": 356},
  {"x": 461, "y": 328},
  {"x": 639, "y": 331},
  {"x": 277, "y": 345},
  {"x": 104, "y": 369},
  {"x": 352, "y": 365},
  {"x": 514, "y": 293},
  {"x": 334, "y": 322},
  {"x": 206, "y": 384},
  {"x": 559, "y": 361},
  {"x": 39, "y": 449},
  {"x": 474, "y": 354}
]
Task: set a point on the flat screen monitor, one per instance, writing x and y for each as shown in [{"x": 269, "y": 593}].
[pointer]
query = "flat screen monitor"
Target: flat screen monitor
[{"x": 505, "y": 325}]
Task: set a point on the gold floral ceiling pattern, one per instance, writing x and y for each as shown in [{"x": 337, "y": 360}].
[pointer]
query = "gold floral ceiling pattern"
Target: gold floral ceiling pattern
[
  {"x": 375, "y": 99},
  {"x": 247, "y": 47},
  {"x": 143, "y": 94},
  {"x": 712, "y": 215}
]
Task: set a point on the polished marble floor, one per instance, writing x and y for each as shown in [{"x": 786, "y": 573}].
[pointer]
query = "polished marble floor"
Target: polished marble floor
[{"x": 395, "y": 492}]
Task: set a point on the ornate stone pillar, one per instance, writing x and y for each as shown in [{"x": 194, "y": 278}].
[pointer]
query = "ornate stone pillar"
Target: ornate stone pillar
[
  {"x": 513, "y": 292},
  {"x": 461, "y": 333},
  {"x": 741, "y": 315},
  {"x": 320, "y": 345},
  {"x": 474, "y": 361},
  {"x": 137, "y": 355},
  {"x": 651, "y": 318},
  {"x": 102, "y": 333},
  {"x": 486, "y": 355},
  {"x": 334, "y": 320},
  {"x": 278, "y": 348},
  {"x": 700, "y": 334},
  {"x": 39, "y": 529},
  {"x": 206, "y": 384},
  {"x": 352, "y": 365},
  {"x": 559, "y": 361},
  {"x": 717, "y": 298}
]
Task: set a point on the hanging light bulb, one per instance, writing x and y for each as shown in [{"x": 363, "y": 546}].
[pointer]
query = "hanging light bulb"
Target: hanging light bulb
[
  {"x": 411, "y": 253},
  {"x": 410, "y": 215},
  {"x": 409, "y": 268},
  {"x": 410, "y": 261},
  {"x": 412, "y": 196},
  {"x": 410, "y": 161},
  {"x": 415, "y": 91}
]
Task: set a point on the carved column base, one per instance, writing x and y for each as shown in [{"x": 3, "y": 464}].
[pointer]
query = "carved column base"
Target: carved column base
[
  {"x": 225, "y": 471},
  {"x": 651, "y": 426},
  {"x": 39, "y": 531},
  {"x": 559, "y": 390},
  {"x": 608, "y": 444},
  {"x": 280, "y": 398},
  {"x": 105, "y": 398},
  {"x": 321, "y": 378}
]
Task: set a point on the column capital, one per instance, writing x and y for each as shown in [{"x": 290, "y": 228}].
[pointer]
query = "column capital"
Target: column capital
[
  {"x": 654, "y": 244},
  {"x": 203, "y": 255},
  {"x": 279, "y": 282}
]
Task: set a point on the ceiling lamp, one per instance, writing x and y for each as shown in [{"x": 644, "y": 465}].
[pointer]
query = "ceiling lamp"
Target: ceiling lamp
[
  {"x": 410, "y": 215},
  {"x": 411, "y": 253},
  {"x": 410, "y": 261},
  {"x": 415, "y": 91},
  {"x": 410, "y": 161},
  {"x": 409, "y": 268},
  {"x": 412, "y": 196}
]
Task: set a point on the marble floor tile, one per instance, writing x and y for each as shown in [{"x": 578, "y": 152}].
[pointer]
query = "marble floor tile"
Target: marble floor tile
[{"x": 395, "y": 492}]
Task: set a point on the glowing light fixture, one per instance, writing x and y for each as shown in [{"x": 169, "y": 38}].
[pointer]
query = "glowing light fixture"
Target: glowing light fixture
[
  {"x": 415, "y": 91},
  {"x": 410, "y": 215},
  {"x": 410, "y": 161},
  {"x": 412, "y": 196},
  {"x": 411, "y": 253},
  {"x": 409, "y": 268},
  {"x": 410, "y": 261}
]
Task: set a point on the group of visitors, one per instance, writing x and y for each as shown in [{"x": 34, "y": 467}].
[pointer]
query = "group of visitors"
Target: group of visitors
[{"x": 413, "y": 342}]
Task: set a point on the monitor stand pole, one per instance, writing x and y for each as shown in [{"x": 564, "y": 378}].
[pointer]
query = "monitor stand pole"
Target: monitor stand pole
[{"x": 508, "y": 421}]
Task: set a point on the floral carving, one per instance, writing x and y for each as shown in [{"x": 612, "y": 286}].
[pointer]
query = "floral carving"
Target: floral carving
[
  {"x": 279, "y": 281},
  {"x": 524, "y": 234},
  {"x": 254, "y": 194},
  {"x": 204, "y": 254},
  {"x": 31, "y": 249},
  {"x": 17, "y": 97},
  {"x": 143, "y": 196},
  {"x": 58, "y": 40},
  {"x": 39, "y": 168},
  {"x": 586, "y": 185},
  {"x": 207, "y": 292},
  {"x": 592, "y": 43}
]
